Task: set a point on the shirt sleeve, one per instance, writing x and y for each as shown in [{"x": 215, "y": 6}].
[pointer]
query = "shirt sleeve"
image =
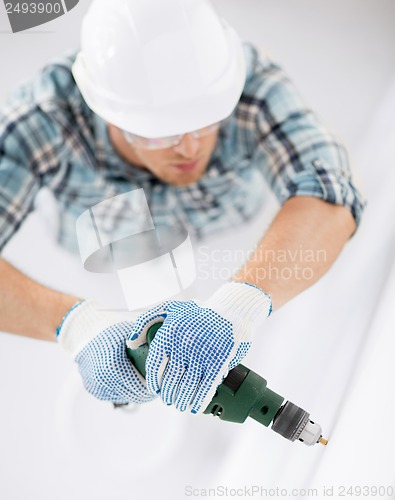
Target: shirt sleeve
[
  {"x": 301, "y": 157},
  {"x": 28, "y": 145},
  {"x": 18, "y": 188}
]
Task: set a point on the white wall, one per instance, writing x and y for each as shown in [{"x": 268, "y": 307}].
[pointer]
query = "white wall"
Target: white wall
[{"x": 340, "y": 52}]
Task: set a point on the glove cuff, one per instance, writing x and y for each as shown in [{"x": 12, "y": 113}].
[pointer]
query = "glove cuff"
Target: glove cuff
[
  {"x": 241, "y": 302},
  {"x": 81, "y": 324}
]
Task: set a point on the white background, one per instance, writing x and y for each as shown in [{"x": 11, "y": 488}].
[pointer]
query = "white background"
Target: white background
[{"x": 330, "y": 350}]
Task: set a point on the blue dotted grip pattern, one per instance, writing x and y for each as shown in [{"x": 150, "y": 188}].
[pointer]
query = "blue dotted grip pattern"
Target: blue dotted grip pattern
[
  {"x": 107, "y": 372},
  {"x": 191, "y": 353}
]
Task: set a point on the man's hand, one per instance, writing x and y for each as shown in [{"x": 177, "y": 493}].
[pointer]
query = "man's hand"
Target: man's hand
[
  {"x": 97, "y": 341},
  {"x": 198, "y": 344}
]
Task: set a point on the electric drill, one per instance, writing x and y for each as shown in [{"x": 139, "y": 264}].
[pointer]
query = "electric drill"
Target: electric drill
[{"x": 244, "y": 393}]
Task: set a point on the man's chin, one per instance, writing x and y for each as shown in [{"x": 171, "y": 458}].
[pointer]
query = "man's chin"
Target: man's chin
[
  {"x": 183, "y": 183},
  {"x": 182, "y": 180},
  {"x": 186, "y": 182}
]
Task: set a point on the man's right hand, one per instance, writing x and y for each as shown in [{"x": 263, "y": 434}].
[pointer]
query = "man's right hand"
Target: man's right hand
[{"x": 97, "y": 341}]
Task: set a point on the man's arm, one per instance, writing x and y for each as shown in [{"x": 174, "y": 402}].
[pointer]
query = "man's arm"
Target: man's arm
[
  {"x": 28, "y": 308},
  {"x": 300, "y": 246}
]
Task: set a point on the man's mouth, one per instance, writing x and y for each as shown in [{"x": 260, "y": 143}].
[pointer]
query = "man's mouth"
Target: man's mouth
[{"x": 186, "y": 167}]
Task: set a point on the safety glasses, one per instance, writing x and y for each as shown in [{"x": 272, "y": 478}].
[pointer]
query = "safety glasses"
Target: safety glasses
[{"x": 167, "y": 142}]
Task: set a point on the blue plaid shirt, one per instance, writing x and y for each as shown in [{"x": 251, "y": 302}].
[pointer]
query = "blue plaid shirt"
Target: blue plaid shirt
[{"x": 49, "y": 137}]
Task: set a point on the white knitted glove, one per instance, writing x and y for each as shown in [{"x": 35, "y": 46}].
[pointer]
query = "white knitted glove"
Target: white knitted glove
[
  {"x": 97, "y": 341},
  {"x": 198, "y": 344}
]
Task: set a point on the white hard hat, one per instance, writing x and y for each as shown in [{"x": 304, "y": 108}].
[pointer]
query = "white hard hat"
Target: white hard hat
[{"x": 157, "y": 68}]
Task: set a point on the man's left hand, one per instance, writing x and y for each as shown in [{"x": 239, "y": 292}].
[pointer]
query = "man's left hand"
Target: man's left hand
[{"x": 198, "y": 344}]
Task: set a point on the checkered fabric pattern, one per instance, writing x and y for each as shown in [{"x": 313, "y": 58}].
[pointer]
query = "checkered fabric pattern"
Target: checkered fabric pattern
[{"x": 49, "y": 137}]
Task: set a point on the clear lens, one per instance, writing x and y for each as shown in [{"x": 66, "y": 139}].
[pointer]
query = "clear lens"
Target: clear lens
[{"x": 166, "y": 142}]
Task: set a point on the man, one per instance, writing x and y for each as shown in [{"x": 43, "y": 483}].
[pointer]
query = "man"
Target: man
[{"x": 164, "y": 96}]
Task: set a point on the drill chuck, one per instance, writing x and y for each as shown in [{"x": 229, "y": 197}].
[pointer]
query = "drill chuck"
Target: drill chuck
[{"x": 294, "y": 423}]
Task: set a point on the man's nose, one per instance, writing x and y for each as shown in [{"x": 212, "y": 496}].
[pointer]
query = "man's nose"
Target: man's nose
[{"x": 188, "y": 146}]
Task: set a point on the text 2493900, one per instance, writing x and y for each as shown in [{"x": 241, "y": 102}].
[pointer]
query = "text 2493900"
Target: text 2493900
[{"x": 34, "y": 8}]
